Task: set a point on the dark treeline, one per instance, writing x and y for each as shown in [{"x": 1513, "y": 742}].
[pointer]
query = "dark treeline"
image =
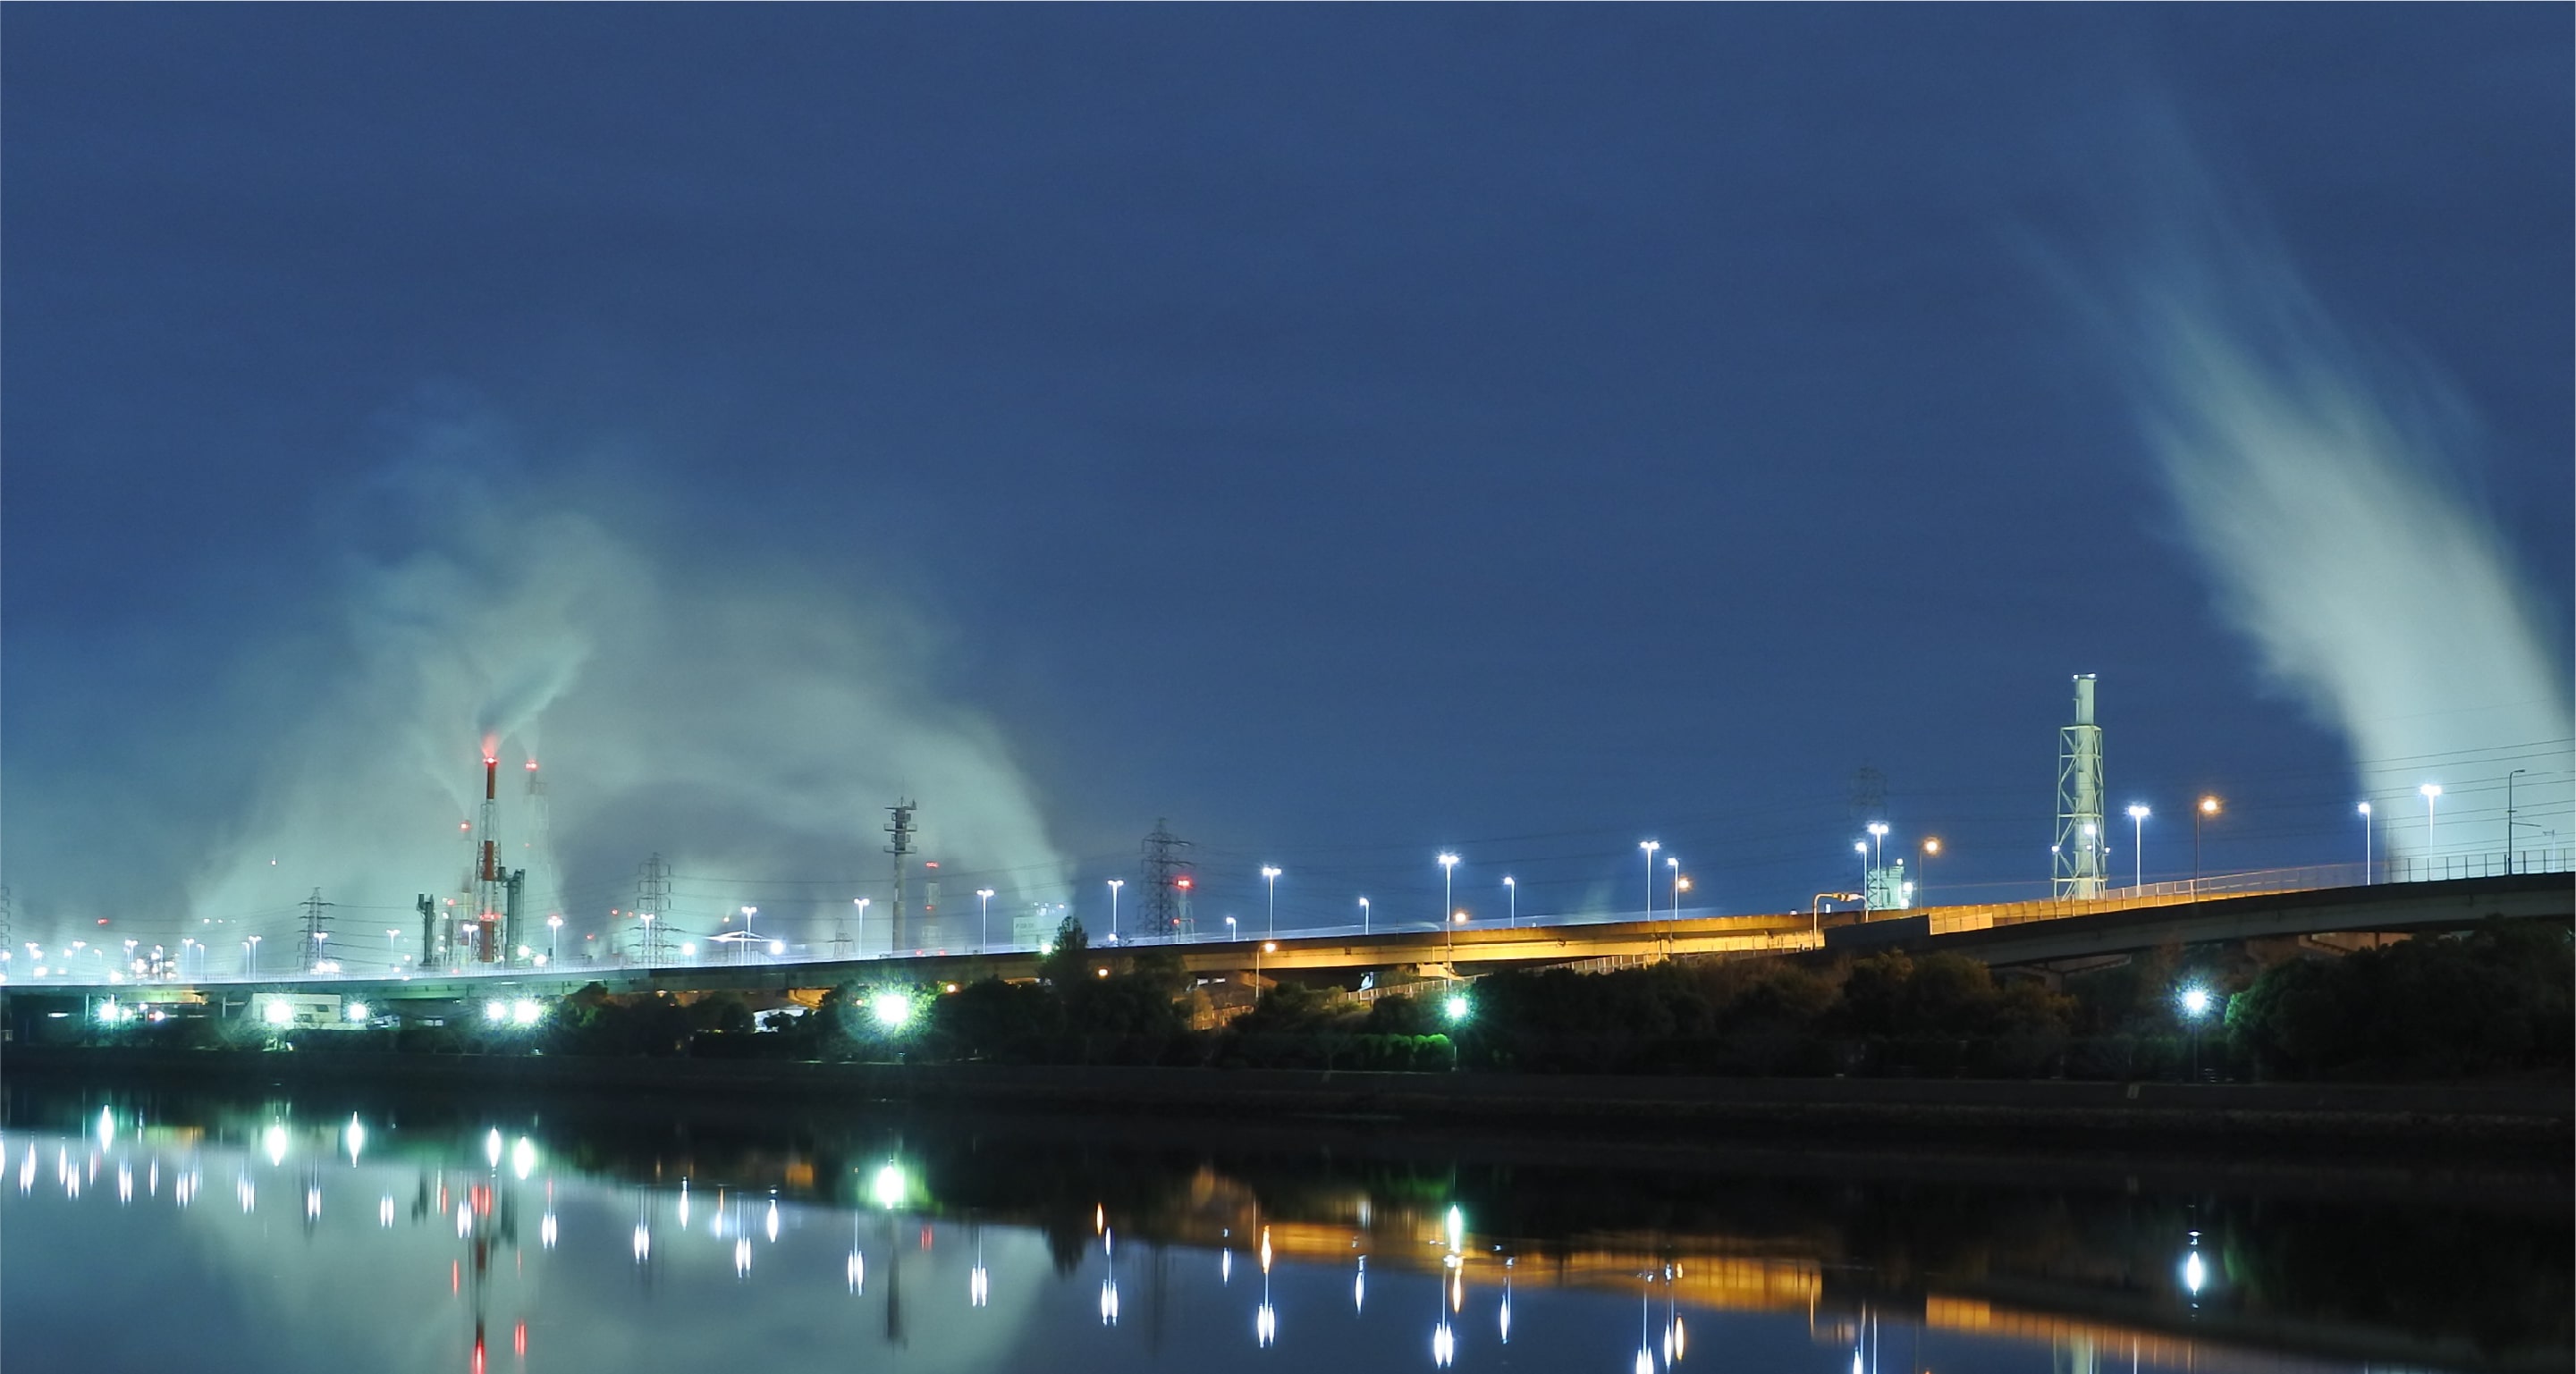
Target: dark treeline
[{"x": 2496, "y": 1001}]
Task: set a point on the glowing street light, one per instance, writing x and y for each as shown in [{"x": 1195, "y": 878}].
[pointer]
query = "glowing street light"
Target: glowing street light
[
  {"x": 1674, "y": 863},
  {"x": 2207, "y": 808},
  {"x": 1448, "y": 867},
  {"x": 2431, "y": 792},
  {"x": 1114, "y": 885},
  {"x": 1878, "y": 835},
  {"x": 554, "y": 936},
  {"x": 1512, "y": 896},
  {"x": 862, "y": 904},
  {"x": 1650, "y": 846},
  {"x": 1456, "y": 1008},
  {"x": 985, "y": 894},
  {"x": 2138, "y": 845},
  {"x": 1229, "y": 928},
  {"x": 1270, "y": 875},
  {"x": 1364, "y": 916},
  {"x": 250, "y": 943},
  {"x": 1923, "y": 880},
  {"x": 2195, "y": 1002},
  {"x": 2365, "y": 844},
  {"x": 892, "y": 1010}
]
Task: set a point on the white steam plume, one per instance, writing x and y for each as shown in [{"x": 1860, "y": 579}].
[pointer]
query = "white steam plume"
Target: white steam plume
[
  {"x": 750, "y": 732},
  {"x": 2319, "y": 488}
]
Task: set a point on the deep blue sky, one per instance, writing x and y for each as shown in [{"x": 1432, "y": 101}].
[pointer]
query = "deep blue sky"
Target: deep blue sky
[{"x": 1346, "y": 432}]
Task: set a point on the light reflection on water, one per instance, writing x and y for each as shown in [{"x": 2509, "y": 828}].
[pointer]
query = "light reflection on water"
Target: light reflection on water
[{"x": 490, "y": 1250}]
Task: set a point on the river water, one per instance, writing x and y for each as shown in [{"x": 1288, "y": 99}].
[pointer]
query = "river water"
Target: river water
[{"x": 320, "y": 1233}]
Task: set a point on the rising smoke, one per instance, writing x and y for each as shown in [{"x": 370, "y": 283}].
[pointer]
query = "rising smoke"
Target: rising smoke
[
  {"x": 748, "y": 725},
  {"x": 2320, "y": 485}
]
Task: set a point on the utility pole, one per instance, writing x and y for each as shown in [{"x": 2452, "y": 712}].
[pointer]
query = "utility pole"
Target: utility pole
[
  {"x": 1167, "y": 880},
  {"x": 901, "y": 847},
  {"x": 315, "y": 931}
]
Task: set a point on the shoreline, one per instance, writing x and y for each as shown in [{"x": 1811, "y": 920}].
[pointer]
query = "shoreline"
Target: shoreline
[{"x": 2529, "y": 1120}]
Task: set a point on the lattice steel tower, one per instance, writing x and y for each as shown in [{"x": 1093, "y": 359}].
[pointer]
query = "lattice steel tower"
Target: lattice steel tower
[
  {"x": 1167, "y": 881},
  {"x": 2083, "y": 841}
]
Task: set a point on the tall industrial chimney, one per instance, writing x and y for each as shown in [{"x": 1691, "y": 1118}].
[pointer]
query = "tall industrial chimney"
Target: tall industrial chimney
[{"x": 2083, "y": 841}]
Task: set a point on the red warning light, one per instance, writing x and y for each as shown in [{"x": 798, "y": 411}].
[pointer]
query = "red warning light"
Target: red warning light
[
  {"x": 934, "y": 863},
  {"x": 1180, "y": 882},
  {"x": 532, "y": 765}
]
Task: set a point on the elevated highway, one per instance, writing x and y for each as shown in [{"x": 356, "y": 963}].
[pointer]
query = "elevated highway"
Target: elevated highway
[{"x": 1996, "y": 934}]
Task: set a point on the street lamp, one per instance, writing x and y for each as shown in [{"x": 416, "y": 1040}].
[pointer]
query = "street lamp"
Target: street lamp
[
  {"x": 2431, "y": 792},
  {"x": 985, "y": 894},
  {"x": 1512, "y": 895},
  {"x": 554, "y": 937},
  {"x": 250, "y": 943},
  {"x": 862, "y": 942},
  {"x": 1878, "y": 837},
  {"x": 1114, "y": 885},
  {"x": 1270, "y": 875},
  {"x": 2365, "y": 844},
  {"x": 1650, "y": 846},
  {"x": 1931, "y": 847},
  {"x": 2207, "y": 808},
  {"x": 1364, "y": 916},
  {"x": 2195, "y": 1002},
  {"x": 1229, "y": 928},
  {"x": 1448, "y": 865},
  {"x": 740, "y": 947},
  {"x": 1681, "y": 884},
  {"x": 1861, "y": 847},
  {"x": 2138, "y": 845}
]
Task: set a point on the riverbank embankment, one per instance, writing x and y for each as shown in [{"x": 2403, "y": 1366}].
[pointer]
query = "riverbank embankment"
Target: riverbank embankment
[{"x": 2517, "y": 1118}]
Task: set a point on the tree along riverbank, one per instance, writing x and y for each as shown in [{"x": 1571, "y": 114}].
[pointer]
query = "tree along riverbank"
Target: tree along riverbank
[{"x": 2520, "y": 1120}]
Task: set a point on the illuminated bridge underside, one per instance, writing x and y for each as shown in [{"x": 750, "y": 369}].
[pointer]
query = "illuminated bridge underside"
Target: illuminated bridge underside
[{"x": 2018, "y": 933}]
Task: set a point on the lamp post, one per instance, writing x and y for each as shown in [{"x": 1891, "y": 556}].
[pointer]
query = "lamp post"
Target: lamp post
[
  {"x": 1270, "y": 875},
  {"x": 651, "y": 950},
  {"x": 554, "y": 938},
  {"x": 2431, "y": 792},
  {"x": 1816, "y": 911},
  {"x": 1931, "y": 847},
  {"x": 1448, "y": 866},
  {"x": 1681, "y": 884},
  {"x": 1878, "y": 839},
  {"x": 2195, "y": 1003},
  {"x": 1114, "y": 885},
  {"x": 1512, "y": 896},
  {"x": 862, "y": 942},
  {"x": 1364, "y": 916},
  {"x": 985, "y": 895},
  {"x": 1650, "y": 846},
  {"x": 393, "y": 949},
  {"x": 741, "y": 946},
  {"x": 2365, "y": 844},
  {"x": 1673, "y": 862},
  {"x": 1861, "y": 847},
  {"x": 2138, "y": 845},
  {"x": 250, "y": 943},
  {"x": 2207, "y": 808},
  {"x": 1229, "y": 929}
]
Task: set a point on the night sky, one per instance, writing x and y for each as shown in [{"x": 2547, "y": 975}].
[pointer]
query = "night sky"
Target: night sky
[{"x": 1347, "y": 433}]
